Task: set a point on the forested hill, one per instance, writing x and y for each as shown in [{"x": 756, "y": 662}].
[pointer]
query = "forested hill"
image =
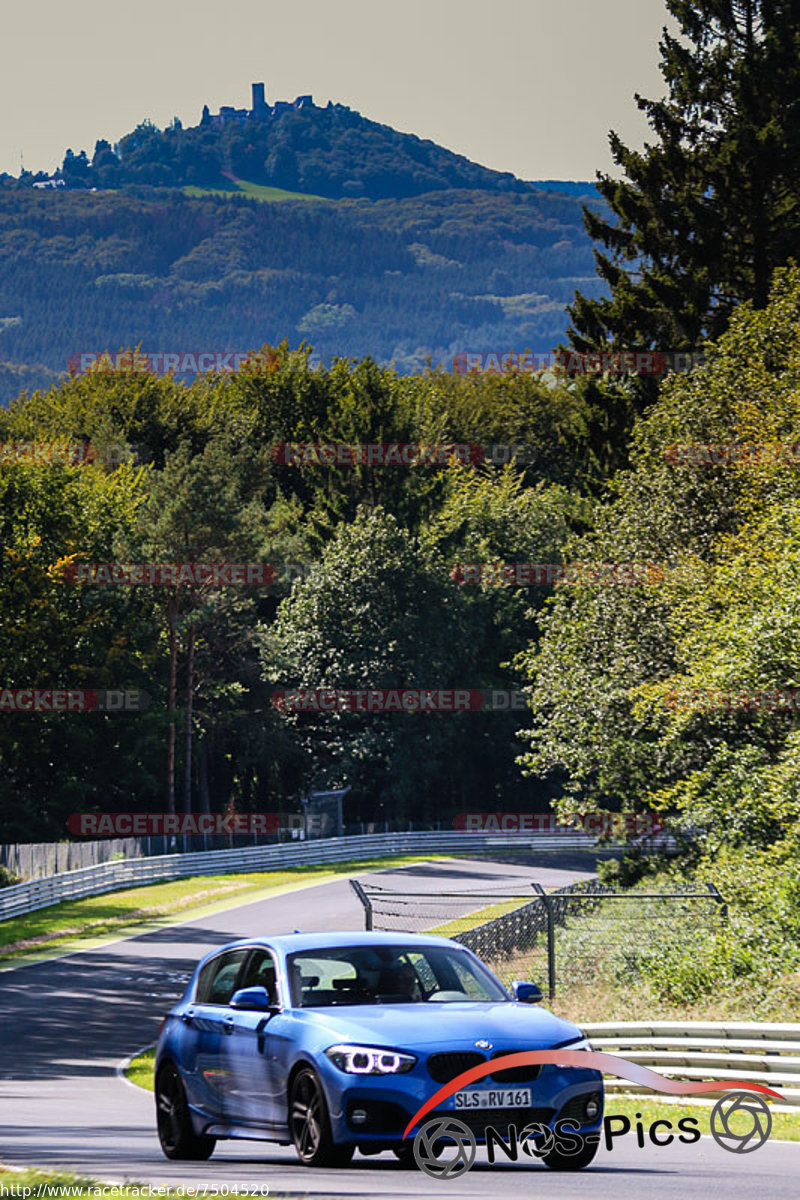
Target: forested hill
[
  {"x": 333, "y": 152},
  {"x": 306, "y": 224},
  {"x": 399, "y": 280}
]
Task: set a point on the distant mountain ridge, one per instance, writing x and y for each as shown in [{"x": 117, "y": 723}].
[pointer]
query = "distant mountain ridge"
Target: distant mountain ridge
[{"x": 307, "y": 224}]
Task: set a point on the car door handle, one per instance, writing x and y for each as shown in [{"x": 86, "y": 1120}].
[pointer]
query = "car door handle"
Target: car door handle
[{"x": 228, "y": 1024}]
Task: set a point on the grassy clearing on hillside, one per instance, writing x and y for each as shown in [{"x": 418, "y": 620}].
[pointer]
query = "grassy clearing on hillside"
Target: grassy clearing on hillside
[{"x": 256, "y": 191}]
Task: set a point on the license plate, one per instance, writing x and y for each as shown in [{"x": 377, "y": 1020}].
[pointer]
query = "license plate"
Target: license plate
[{"x": 494, "y": 1098}]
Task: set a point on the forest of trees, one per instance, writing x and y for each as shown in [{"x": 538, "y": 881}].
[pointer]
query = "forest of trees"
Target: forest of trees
[
  {"x": 332, "y": 152},
  {"x": 615, "y": 675},
  {"x": 399, "y": 280}
]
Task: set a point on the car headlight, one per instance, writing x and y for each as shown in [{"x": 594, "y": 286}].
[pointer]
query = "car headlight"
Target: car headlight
[
  {"x": 369, "y": 1060},
  {"x": 581, "y": 1043}
]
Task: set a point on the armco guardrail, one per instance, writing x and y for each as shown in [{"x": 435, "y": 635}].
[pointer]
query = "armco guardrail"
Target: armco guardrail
[
  {"x": 110, "y": 877},
  {"x": 752, "y": 1051}
]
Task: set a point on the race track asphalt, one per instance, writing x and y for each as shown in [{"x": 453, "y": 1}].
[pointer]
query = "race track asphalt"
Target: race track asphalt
[{"x": 65, "y": 1024}]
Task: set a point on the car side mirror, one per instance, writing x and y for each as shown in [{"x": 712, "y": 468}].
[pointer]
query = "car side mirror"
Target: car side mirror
[
  {"x": 526, "y": 993},
  {"x": 255, "y": 999}
]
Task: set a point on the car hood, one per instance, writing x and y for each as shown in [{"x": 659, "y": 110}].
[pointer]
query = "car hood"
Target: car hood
[{"x": 427, "y": 1026}]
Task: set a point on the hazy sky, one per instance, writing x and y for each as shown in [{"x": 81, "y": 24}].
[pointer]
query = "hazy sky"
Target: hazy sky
[{"x": 529, "y": 86}]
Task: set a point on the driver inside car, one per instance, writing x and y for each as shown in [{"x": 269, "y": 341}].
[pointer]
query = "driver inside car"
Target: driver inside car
[{"x": 400, "y": 981}]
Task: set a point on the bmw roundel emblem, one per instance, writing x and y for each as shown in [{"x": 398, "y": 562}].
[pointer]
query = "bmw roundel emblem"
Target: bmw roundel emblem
[{"x": 483, "y": 1044}]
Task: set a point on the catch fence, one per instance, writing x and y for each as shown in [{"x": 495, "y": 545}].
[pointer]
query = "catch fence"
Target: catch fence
[{"x": 584, "y": 927}]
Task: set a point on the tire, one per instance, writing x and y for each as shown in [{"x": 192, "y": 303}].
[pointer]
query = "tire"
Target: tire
[
  {"x": 570, "y": 1162},
  {"x": 405, "y": 1153},
  {"x": 175, "y": 1133},
  {"x": 405, "y": 1156},
  {"x": 310, "y": 1126}
]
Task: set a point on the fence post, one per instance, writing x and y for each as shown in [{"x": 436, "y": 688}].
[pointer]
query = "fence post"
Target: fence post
[
  {"x": 723, "y": 908},
  {"x": 551, "y": 939},
  {"x": 365, "y": 900}
]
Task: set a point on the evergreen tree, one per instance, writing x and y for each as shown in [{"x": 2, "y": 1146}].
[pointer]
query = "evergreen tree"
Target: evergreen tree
[{"x": 706, "y": 213}]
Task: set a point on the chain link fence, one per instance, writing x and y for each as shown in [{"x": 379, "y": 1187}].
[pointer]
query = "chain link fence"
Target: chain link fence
[{"x": 568, "y": 934}]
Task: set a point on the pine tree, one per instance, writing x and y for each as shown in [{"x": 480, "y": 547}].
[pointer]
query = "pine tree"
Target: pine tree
[{"x": 706, "y": 213}]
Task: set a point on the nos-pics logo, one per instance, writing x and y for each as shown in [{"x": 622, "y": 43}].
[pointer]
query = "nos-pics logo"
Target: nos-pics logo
[{"x": 445, "y": 1147}]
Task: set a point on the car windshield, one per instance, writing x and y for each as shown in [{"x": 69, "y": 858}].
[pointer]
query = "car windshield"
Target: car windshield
[{"x": 388, "y": 975}]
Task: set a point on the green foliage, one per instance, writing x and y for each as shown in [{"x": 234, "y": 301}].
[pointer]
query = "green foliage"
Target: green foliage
[
  {"x": 613, "y": 676},
  {"x": 709, "y": 209},
  {"x": 331, "y": 151},
  {"x": 211, "y": 490},
  {"x": 629, "y": 869}
]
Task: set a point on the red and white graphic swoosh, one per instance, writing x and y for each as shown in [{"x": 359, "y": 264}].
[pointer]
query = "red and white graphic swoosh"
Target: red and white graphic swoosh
[{"x": 592, "y": 1060}]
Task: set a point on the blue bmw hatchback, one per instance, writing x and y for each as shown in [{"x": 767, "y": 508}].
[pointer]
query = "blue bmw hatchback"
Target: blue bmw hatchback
[{"x": 334, "y": 1041}]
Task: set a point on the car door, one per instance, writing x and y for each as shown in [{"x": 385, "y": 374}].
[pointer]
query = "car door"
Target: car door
[
  {"x": 249, "y": 1054},
  {"x": 206, "y": 1070}
]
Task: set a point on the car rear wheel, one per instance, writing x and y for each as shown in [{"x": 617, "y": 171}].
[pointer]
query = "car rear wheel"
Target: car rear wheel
[
  {"x": 570, "y": 1162},
  {"x": 310, "y": 1125},
  {"x": 178, "y": 1139}
]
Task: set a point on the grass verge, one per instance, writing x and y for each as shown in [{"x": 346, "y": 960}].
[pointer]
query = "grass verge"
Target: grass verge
[
  {"x": 32, "y": 1183},
  {"x": 141, "y": 1069},
  {"x": 479, "y": 917},
  {"x": 785, "y": 1126},
  {"x": 116, "y": 912}
]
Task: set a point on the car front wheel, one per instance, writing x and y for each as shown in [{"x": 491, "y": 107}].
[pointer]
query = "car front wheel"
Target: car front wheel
[
  {"x": 570, "y": 1162},
  {"x": 178, "y": 1139},
  {"x": 310, "y": 1125}
]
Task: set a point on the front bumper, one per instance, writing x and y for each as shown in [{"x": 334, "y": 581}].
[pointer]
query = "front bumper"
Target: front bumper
[{"x": 375, "y": 1111}]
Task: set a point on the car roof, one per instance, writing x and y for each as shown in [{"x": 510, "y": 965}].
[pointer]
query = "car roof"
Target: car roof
[{"x": 290, "y": 943}]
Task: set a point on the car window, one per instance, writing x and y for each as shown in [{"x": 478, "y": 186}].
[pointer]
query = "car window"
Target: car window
[
  {"x": 424, "y": 971},
  {"x": 388, "y": 974},
  {"x": 468, "y": 982},
  {"x": 260, "y": 972},
  {"x": 217, "y": 979}
]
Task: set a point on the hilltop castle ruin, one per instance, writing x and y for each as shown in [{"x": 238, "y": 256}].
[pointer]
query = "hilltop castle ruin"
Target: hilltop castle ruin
[{"x": 261, "y": 111}]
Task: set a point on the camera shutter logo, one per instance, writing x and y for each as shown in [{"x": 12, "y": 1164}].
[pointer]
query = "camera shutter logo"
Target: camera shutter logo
[
  {"x": 448, "y": 1161},
  {"x": 741, "y": 1104},
  {"x": 536, "y": 1139}
]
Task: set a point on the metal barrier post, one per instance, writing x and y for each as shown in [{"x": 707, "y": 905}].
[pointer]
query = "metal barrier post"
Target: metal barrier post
[
  {"x": 723, "y": 908},
  {"x": 365, "y": 900},
  {"x": 551, "y": 939}
]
